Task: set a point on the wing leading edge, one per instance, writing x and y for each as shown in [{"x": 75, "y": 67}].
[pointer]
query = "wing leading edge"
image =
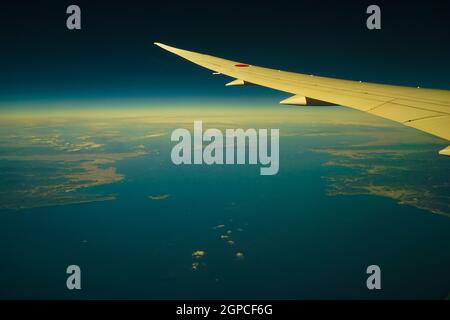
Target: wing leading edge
[{"x": 427, "y": 110}]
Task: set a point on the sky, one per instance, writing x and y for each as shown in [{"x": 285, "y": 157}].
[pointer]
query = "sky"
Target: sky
[{"x": 113, "y": 57}]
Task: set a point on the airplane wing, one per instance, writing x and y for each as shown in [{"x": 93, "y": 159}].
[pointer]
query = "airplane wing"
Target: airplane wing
[{"x": 424, "y": 109}]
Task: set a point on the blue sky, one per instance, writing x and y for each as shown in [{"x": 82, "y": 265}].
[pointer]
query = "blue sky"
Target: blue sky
[{"x": 113, "y": 56}]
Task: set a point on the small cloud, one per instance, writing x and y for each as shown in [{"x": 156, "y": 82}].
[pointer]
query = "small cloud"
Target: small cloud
[
  {"x": 239, "y": 255},
  {"x": 198, "y": 254},
  {"x": 154, "y": 135},
  {"x": 159, "y": 197},
  {"x": 195, "y": 266}
]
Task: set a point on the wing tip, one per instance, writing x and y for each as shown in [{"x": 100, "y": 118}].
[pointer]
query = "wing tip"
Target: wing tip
[
  {"x": 169, "y": 48},
  {"x": 161, "y": 45}
]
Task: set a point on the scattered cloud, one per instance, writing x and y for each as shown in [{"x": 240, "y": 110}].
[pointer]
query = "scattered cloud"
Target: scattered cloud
[
  {"x": 159, "y": 197},
  {"x": 198, "y": 254},
  {"x": 239, "y": 255}
]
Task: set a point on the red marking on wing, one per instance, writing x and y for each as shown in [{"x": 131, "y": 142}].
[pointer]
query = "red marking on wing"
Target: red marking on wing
[{"x": 241, "y": 65}]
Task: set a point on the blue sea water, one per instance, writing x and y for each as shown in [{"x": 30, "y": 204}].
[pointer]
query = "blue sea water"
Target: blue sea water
[{"x": 297, "y": 242}]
